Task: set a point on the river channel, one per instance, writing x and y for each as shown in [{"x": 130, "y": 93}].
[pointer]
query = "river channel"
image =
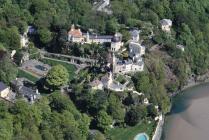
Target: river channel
[{"x": 189, "y": 117}]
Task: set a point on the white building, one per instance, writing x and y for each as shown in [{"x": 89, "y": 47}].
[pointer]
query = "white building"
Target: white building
[
  {"x": 135, "y": 35},
  {"x": 98, "y": 39},
  {"x": 75, "y": 35},
  {"x": 116, "y": 43},
  {"x": 4, "y": 90},
  {"x": 181, "y": 47},
  {"x": 127, "y": 66},
  {"x": 136, "y": 49},
  {"x": 24, "y": 41},
  {"x": 103, "y": 6},
  {"x": 166, "y": 25},
  {"x": 109, "y": 83}
]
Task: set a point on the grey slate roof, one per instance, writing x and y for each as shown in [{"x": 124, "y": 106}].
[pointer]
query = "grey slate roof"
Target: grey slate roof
[
  {"x": 135, "y": 32},
  {"x": 166, "y": 22},
  {"x": 2, "y": 86},
  {"x": 100, "y": 37}
]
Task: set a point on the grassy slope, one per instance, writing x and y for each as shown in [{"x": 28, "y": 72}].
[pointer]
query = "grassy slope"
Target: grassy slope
[
  {"x": 130, "y": 132},
  {"x": 27, "y": 75},
  {"x": 71, "y": 68}
]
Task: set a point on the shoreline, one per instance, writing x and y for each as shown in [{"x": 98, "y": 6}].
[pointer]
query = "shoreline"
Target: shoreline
[{"x": 189, "y": 85}]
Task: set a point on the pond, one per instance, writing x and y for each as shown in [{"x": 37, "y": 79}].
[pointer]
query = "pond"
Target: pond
[{"x": 141, "y": 136}]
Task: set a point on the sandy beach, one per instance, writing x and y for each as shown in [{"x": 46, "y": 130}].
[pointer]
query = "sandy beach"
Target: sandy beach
[{"x": 190, "y": 117}]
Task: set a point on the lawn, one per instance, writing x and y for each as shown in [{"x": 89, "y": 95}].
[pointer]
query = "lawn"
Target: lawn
[
  {"x": 27, "y": 75},
  {"x": 71, "y": 68},
  {"x": 130, "y": 132}
]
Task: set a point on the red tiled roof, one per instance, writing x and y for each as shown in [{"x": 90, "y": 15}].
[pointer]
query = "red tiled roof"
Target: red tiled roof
[{"x": 75, "y": 32}]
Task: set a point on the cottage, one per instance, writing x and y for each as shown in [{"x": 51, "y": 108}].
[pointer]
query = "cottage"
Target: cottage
[
  {"x": 4, "y": 90},
  {"x": 116, "y": 43},
  {"x": 181, "y": 47},
  {"x": 103, "y": 6},
  {"x": 166, "y": 25},
  {"x": 25, "y": 89},
  {"x": 96, "y": 85},
  {"x": 6, "y": 93}
]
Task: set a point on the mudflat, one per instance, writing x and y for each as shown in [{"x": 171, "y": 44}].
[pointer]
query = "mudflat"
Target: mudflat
[{"x": 189, "y": 119}]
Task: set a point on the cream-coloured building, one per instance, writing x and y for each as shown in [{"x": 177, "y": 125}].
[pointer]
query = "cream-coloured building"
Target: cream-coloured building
[
  {"x": 96, "y": 85},
  {"x": 136, "y": 49},
  {"x": 127, "y": 66},
  {"x": 4, "y": 90},
  {"x": 116, "y": 43},
  {"x": 166, "y": 25},
  {"x": 75, "y": 35}
]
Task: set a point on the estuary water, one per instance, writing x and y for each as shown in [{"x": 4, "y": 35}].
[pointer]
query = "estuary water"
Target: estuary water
[{"x": 189, "y": 117}]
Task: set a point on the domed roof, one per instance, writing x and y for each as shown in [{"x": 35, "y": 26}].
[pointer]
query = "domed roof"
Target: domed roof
[{"x": 117, "y": 37}]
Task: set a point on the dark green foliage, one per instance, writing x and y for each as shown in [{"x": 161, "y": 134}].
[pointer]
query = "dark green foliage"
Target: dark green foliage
[
  {"x": 8, "y": 71},
  {"x": 135, "y": 115},
  {"x": 45, "y": 121}
]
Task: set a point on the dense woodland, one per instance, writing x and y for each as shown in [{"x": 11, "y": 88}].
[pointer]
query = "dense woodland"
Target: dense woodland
[{"x": 57, "y": 117}]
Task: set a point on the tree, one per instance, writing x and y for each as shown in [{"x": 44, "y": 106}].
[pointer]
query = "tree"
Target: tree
[
  {"x": 152, "y": 111},
  {"x": 103, "y": 121},
  {"x": 8, "y": 71},
  {"x": 135, "y": 115},
  {"x": 142, "y": 82},
  {"x": 2, "y": 48},
  {"x": 57, "y": 77},
  {"x": 115, "y": 108},
  {"x": 111, "y": 26},
  {"x": 45, "y": 35}
]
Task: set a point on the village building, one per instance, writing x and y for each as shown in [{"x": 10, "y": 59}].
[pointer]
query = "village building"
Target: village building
[
  {"x": 103, "y": 6},
  {"x": 98, "y": 39},
  {"x": 25, "y": 89},
  {"x": 96, "y": 85},
  {"x": 166, "y": 25},
  {"x": 135, "y": 35},
  {"x": 116, "y": 43},
  {"x": 24, "y": 39},
  {"x": 181, "y": 47},
  {"x": 136, "y": 49},
  {"x": 134, "y": 62},
  {"x": 6, "y": 93},
  {"x": 4, "y": 90},
  {"x": 127, "y": 66},
  {"x": 31, "y": 30},
  {"x": 13, "y": 54},
  {"x": 75, "y": 35},
  {"x": 109, "y": 83}
]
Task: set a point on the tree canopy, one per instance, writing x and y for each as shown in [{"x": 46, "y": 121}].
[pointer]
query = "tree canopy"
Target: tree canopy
[{"x": 57, "y": 76}]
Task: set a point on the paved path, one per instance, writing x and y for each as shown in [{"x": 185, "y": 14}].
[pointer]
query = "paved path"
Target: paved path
[
  {"x": 77, "y": 65},
  {"x": 159, "y": 129},
  {"x": 70, "y": 57}
]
